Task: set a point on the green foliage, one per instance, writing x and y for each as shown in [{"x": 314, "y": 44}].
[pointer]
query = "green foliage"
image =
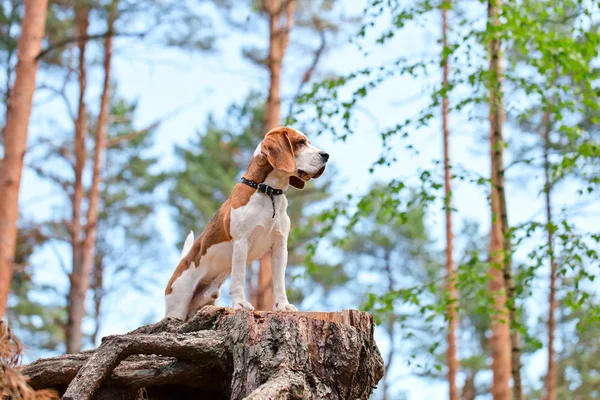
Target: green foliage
[
  {"x": 36, "y": 321},
  {"x": 129, "y": 247},
  {"x": 551, "y": 52}
]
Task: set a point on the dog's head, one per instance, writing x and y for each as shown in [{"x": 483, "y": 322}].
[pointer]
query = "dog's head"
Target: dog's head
[{"x": 289, "y": 151}]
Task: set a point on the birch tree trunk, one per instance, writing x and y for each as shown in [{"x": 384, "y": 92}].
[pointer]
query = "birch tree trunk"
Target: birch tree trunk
[
  {"x": 551, "y": 375},
  {"x": 451, "y": 359},
  {"x": 15, "y": 131},
  {"x": 500, "y": 342}
]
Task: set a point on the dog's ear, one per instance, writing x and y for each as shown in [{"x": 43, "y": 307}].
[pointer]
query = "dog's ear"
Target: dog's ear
[
  {"x": 296, "y": 182},
  {"x": 277, "y": 148}
]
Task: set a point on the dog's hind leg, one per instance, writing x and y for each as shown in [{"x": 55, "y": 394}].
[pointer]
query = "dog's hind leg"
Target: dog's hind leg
[{"x": 206, "y": 293}]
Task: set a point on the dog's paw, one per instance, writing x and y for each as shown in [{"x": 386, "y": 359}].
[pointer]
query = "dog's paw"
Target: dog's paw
[
  {"x": 285, "y": 307},
  {"x": 242, "y": 305}
]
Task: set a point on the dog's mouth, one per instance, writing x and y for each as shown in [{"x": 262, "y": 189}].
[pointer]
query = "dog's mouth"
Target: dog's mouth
[
  {"x": 320, "y": 172},
  {"x": 305, "y": 176},
  {"x": 302, "y": 174}
]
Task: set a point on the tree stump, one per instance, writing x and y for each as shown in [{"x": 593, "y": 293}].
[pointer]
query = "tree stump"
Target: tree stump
[{"x": 225, "y": 354}]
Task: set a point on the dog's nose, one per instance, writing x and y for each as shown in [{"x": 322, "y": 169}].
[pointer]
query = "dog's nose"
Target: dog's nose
[{"x": 324, "y": 156}]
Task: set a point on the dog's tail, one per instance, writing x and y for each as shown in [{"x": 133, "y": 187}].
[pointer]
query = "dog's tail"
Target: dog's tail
[{"x": 189, "y": 242}]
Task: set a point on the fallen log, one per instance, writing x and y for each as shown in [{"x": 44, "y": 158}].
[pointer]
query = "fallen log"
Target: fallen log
[{"x": 225, "y": 354}]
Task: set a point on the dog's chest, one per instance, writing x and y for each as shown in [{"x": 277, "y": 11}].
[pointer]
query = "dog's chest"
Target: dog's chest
[{"x": 255, "y": 223}]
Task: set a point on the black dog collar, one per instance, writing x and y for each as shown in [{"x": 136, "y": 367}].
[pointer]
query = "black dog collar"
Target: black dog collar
[{"x": 266, "y": 189}]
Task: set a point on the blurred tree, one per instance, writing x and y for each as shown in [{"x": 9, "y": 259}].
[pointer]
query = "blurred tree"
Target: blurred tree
[
  {"x": 452, "y": 315},
  {"x": 84, "y": 234},
  {"x": 505, "y": 341},
  {"x": 74, "y": 30},
  {"x": 15, "y": 136},
  {"x": 282, "y": 17},
  {"x": 127, "y": 245},
  {"x": 214, "y": 162},
  {"x": 542, "y": 144},
  {"x": 34, "y": 320},
  {"x": 578, "y": 360},
  {"x": 392, "y": 253},
  {"x": 11, "y": 13},
  {"x": 37, "y": 321}
]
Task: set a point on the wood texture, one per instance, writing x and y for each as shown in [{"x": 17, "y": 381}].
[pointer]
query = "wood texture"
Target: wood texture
[
  {"x": 229, "y": 354},
  {"x": 451, "y": 278},
  {"x": 500, "y": 281},
  {"x": 15, "y": 135}
]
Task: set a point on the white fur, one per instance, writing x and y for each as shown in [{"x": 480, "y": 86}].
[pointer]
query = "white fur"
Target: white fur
[
  {"x": 254, "y": 231},
  {"x": 309, "y": 159},
  {"x": 187, "y": 246},
  {"x": 258, "y": 150}
]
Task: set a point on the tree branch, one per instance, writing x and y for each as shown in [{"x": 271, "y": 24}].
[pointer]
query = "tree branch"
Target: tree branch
[
  {"x": 313, "y": 66},
  {"x": 86, "y": 37},
  {"x": 136, "y": 371},
  {"x": 207, "y": 346},
  {"x": 115, "y": 141}
]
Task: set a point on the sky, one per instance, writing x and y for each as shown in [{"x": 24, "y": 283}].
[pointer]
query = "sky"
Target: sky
[{"x": 200, "y": 84}]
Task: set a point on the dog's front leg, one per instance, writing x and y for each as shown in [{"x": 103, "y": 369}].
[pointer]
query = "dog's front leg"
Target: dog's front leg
[
  {"x": 238, "y": 275},
  {"x": 279, "y": 257}
]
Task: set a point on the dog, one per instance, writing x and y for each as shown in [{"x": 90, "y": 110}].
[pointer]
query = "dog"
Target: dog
[{"x": 250, "y": 224}]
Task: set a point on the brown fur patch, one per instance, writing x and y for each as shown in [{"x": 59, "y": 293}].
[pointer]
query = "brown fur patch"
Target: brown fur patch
[
  {"x": 297, "y": 142},
  {"x": 216, "y": 232}
]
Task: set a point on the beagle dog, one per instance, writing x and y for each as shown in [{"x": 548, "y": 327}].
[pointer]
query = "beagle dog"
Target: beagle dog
[{"x": 252, "y": 222}]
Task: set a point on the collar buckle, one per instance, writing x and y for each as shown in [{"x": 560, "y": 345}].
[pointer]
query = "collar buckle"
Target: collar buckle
[{"x": 266, "y": 189}]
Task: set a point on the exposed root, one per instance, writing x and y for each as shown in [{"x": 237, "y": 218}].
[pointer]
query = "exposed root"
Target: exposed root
[{"x": 12, "y": 383}]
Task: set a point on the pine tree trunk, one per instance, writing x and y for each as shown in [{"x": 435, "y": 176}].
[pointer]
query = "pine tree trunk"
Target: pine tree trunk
[
  {"x": 497, "y": 127},
  {"x": 223, "y": 353},
  {"x": 15, "y": 132},
  {"x": 75, "y": 302},
  {"x": 81, "y": 285},
  {"x": 451, "y": 359},
  {"x": 98, "y": 290},
  {"x": 262, "y": 297},
  {"x": 551, "y": 375},
  {"x": 390, "y": 327},
  {"x": 500, "y": 342}
]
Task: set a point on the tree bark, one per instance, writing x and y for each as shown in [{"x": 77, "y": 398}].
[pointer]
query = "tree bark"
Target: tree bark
[
  {"x": 76, "y": 299},
  {"x": 262, "y": 297},
  {"x": 469, "y": 390},
  {"x": 229, "y": 354},
  {"x": 98, "y": 290},
  {"x": 81, "y": 285},
  {"x": 500, "y": 342},
  {"x": 451, "y": 359},
  {"x": 498, "y": 117},
  {"x": 15, "y": 131},
  {"x": 552, "y": 373},
  {"x": 390, "y": 327}
]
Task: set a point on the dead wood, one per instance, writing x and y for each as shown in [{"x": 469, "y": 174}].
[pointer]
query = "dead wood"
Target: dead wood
[{"x": 223, "y": 353}]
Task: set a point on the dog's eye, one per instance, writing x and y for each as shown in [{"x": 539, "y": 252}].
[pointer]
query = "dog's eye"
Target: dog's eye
[{"x": 301, "y": 142}]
